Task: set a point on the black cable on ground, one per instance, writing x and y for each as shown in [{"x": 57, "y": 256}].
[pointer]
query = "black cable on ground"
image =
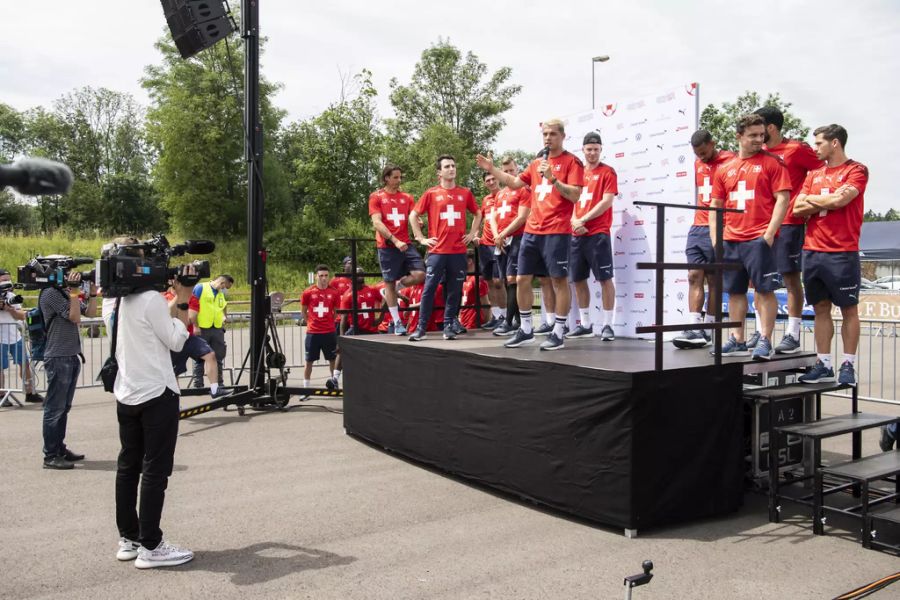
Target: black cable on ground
[{"x": 870, "y": 588}]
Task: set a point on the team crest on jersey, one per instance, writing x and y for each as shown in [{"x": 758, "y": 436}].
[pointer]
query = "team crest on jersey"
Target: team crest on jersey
[
  {"x": 732, "y": 172},
  {"x": 557, "y": 167},
  {"x": 459, "y": 197},
  {"x": 818, "y": 179},
  {"x": 757, "y": 168}
]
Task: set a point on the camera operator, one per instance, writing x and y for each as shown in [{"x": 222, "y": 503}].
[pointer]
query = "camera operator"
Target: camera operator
[
  {"x": 147, "y": 409},
  {"x": 11, "y": 343},
  {"x": 62, "y": 363}
]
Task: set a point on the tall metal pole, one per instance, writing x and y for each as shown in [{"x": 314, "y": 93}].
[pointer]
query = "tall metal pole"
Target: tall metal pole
[
  {"x": 256, "y": 258},
  {"x": 593, "y": 86}
]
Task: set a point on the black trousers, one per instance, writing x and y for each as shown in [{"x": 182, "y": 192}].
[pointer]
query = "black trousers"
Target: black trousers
[{"x": 148, "y": 433}]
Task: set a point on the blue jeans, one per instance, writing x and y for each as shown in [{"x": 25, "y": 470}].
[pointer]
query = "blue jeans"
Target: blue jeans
[
  {"x": 62, "y": 376},
  {"x": 451, "y": 270}
]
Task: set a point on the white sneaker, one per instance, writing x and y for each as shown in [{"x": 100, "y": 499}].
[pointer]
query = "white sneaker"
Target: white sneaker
[
  {"x": 165, "y": 555},
  {"x": 128, "y": 550}
]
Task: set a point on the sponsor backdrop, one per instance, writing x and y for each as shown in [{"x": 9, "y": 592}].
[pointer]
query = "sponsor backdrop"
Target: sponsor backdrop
[{"x": 647, "y": 142}]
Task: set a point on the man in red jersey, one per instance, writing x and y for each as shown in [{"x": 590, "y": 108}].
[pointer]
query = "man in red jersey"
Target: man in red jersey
[
  {"x": 445, "y": 207},
  {"x": 389, "y": 210},
  {"x": 832, "y": 198},
  {"x": 756, "y": 182},
  {"x": 488, "y": 257},
  {"x": 467, "y": 315},
  {"x": 342, "y": 285},
  {"x": 591, "y": 249},
  {"x": 319, "y": 304},
  {"x": 699, "y": 249},
  {"x": 414, "y": 293},
  {"x": 511, "y": 209},
  {"x": 799, "y": 159},
  {"x": 556, "y": 180},
  {"x": 368, "y": 317}
]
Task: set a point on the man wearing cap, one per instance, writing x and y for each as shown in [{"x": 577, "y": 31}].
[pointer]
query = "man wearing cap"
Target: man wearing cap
[{"x": 591, "y": 250}]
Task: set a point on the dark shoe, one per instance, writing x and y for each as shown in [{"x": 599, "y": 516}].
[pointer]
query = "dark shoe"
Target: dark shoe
[
  {"x": 846, "y": 374},
  {"x": 491, "y": 324},
  {"x": 331, "y": 383},
  {"x": 607, "y": 334},
  {"x": 552, "y": 343},
  {"x": 545, "y": 329},
  {"x": 788, "y": 345},
  {"x": 692, "y": 338},
  {"x": 581, "y": 331},
  {"x": 763, "y": 350},
  {"x": 520, "y": 339},
  {"x": 34, "y": 397},
  {"x": 504, "y": 329},
  {"x": 887, "y": 438},
  {"x": 221, "y": 393},
  {"x": 457, "y": 328},
  {"x": 72, "y": 456},
  {"x": 732, "y": 347},
  {"x": 818, "y": 373},
  {"x": 58, "y": 463},
  {"x": 753, "y": 340},
  {"x": 417, "y": 336},
  {"x": 449, "y": 332}
]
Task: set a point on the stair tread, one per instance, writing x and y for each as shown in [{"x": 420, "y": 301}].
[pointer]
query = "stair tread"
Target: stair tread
[
  {"x": 792, "y": 390},
  {"x": 868, "y": 468},
  {"x": 892, "y": 515},
  {"x": 838, "y": 425}
]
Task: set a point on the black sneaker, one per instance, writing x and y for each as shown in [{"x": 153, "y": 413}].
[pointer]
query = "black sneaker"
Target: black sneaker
[
  {"x": 34, "y": 397},
  {"x": 693, "y": 338},
  {"x": 221, "y": 392},
  {"x": 418, "y": 335},
  {"x": 458, "y": 328},
  {"x": 545, "y": 329},
  {"x": 581, "y": 332},
  {"x": 59, "y": 463},
  {"x": 520, "y": 339},
  {"x": 492, "y": 324},
  {"x": 72, "y": 456},
  {"x": 888, "y": 438},
  {"x": 331, "y": 383},
  {"x": 449, "y": 332},
  {"x": 552, "y": 343},
  {"x": 607, "y": 334},
  {"x": 505, "y": 329}
]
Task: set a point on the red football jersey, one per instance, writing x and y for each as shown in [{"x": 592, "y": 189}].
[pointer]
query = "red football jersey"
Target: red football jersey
[
  {"x": 704, "y": 173},
  {"x": 320, "y": 308},
  {"x": 446, "y": 213},
  {"x": 341, "y": 284},
  {"x": 506, "y": 207},
  {"x": 394, "y": 210},
  {"x": 550, "y": 212},
  {"x": 799, "y": 159},
  {"x": 836, "y": 230},
  {"x": 598, "y": 181},
  {"x": 749, "y": 184},
  {"x": 414, "y": 293},
  {"x": 367, "y": 300},
  {"x": 467, "y": 315},
  {"x": 488, "y": 205},
  {"x": 193, "y": 304}
]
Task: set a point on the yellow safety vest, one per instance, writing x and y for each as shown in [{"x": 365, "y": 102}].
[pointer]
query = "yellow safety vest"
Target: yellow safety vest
[{"x": 212, "y": 307}]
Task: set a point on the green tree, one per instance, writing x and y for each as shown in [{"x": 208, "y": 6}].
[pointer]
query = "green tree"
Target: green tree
[
  {"x": 891, "y": 215},
  {"x": 12, "y": 132},
  {"x": 721, "y": 121},
  {"x": 871, "y": 215}
]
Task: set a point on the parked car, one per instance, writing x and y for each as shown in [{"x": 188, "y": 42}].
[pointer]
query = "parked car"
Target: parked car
[
  {"x": 891, "y": 282},
  {"x": 868, "y": 284}
]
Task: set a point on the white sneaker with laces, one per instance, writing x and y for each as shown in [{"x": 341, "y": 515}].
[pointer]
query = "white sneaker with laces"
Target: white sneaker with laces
[
  {"x": 128, "y": 550},
  {"x": 165, "y": 555}
]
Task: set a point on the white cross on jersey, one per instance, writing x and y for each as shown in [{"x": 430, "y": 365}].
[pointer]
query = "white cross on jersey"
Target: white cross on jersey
[
  {"x": 741, "y": 195},
  {"x": 321, "y": 310},
  {"x": 396, "y": 217},
  {"x": 543, "y": 189},
  {"x": 364, "y": 306},
  {"x": 450, "y": 215},
  {"x": 585, "y": 197},
  {"x": 824, "y": 192},
  {"x": 704, "y": 192},
  {"x": 504, "y": 209}
]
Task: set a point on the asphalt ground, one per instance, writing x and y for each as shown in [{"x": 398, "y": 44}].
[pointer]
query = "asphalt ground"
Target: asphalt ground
[{"x": 285, "y": 505}]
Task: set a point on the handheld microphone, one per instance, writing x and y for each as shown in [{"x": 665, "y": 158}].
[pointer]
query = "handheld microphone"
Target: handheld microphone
[
  {"x": 36, "y": 177},
  {"x": 198, "y": 246},
  {"x": 544, "y": 153}
]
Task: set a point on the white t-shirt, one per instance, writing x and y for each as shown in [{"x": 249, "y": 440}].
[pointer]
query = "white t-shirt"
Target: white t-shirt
[
  {"x": 9, "y": 326},
  {"x": 147, "y": 333}
]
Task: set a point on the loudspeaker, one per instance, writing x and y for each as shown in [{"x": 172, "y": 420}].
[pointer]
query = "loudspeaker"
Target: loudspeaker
[{"x": 196, "y": 24}]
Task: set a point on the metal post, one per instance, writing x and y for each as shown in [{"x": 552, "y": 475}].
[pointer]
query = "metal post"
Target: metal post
[
  {"x": 718, "y": 276},
  {"x": 660, "y": 258},
  {"x": 354, "y": 287},
  {"x": 593, "y": 86}
]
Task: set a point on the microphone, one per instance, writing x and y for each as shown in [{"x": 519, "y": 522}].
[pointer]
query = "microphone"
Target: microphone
[
  {"x": 198, "y": 246},
  {"x": 36, "y": 177},
  {"x": 544, "y": 153}
]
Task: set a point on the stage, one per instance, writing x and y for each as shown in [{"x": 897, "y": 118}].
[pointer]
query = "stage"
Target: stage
[{"x": 591, "y": 430}]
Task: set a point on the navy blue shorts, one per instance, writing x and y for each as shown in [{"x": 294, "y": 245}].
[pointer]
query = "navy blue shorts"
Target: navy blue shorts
[
  {"x": 543, "y": 255},
  {"x": 758, "y": 261},
  {"x": 396, "y": 265},
  {"x": 195, "y": 347},
  {"x": 699, "y": 249},
  {"x": 590, "y": 254},
  {"x": 326, "y": 343},
  {"x": 833, "y": 276},
  {"x": 508, "y": 261},
  {"x": 487, "y": 262},
  {"x": 788, "y": 248}
]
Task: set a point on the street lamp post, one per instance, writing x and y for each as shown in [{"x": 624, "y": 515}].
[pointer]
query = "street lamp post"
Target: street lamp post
[{"x": 595, "y": 60}]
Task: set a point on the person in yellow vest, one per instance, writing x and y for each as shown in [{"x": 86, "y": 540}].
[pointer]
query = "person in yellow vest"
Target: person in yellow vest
[{"x": 209, "y": 319}]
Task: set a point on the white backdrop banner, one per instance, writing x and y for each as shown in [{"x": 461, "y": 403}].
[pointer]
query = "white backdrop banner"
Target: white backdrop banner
[{"x": 647, "y": 142}]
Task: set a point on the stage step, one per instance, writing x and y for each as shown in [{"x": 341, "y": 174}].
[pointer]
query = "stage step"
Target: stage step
[
  {"x": 892, "y": 515},
  {"x": 839, "y": 425},
  {"x": 870, "y": 468},
  {"x": 792, "y": 390}
]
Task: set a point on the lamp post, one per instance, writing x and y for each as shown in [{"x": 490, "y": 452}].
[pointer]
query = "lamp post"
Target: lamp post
[{"x": 597, "y": 59}]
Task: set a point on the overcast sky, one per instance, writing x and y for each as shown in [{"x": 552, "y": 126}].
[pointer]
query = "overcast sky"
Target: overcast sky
[{"x": 836, "y": 61}]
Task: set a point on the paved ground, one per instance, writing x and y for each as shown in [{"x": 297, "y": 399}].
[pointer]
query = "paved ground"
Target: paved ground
[{"x": 285, "y": 505}]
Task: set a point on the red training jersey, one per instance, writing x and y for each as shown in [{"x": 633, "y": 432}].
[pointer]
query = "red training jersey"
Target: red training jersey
[
  {"x": 836, "y": 230},
  {"x": 394, "y": 210},
  {"x": 321, "y": 305},
  {"x": 446, "y": 213},
  {"x": 799, "y": 159},
  {"x": 506, "y": 207},
  {"x": 704, "y": 173},
  {"x": 193, "y": 304},
  {"x": 598, "y": 181},
  {"x": 488, "y": 205},
  {"x": 467, "y": 315},
  {"x": 368, "y": 299},
  {"x": 550, "y": 212},
  {"x": 749, "y": 184}
]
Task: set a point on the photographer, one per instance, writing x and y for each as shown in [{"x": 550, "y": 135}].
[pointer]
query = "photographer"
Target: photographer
[
  {"x": 147, "y": 409},
  {"x": 11, "y": 343},
  {"x": 62, "y": 363}
]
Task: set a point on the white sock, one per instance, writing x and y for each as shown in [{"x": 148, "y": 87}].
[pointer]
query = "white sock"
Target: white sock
[
  {"x": 559, "y": 327},
  {"x": 826, "y": 360},
  {"x": 758, "y": 324},
  {"x": 695, "y": 317},
  {"x": 550, "y": 318},
  {"x": 585, "y": 317},
  {"x": 395, "y": 313},
  {"x": 525, "y": 320},
  {"x": 608, "y": 316},
  {"x": 337, "y": 374},
  {"x": 496, "y": 312},
  {"x": 213, "y": 388},
  {"x": 710, "y": 318},
  {"x": 306, "y": 383},
  {"x": 793, "y": 327},
  {"x": 851, "y": 358}
]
